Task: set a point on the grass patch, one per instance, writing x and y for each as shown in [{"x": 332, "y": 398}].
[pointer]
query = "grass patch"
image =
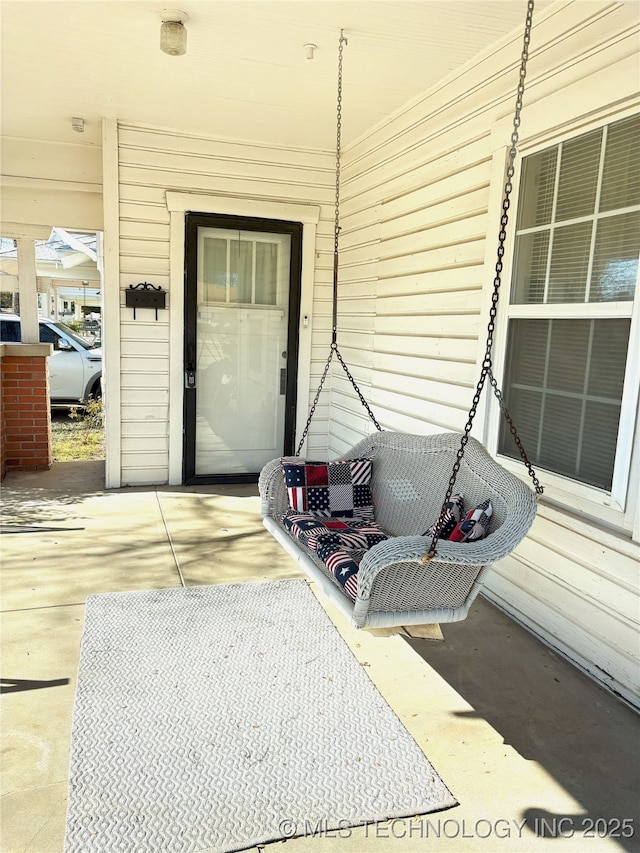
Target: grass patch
[{"x": 76, "y": 438}]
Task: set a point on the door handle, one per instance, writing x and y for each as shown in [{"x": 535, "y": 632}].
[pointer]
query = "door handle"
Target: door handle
[{"x": 190, "y": 368}]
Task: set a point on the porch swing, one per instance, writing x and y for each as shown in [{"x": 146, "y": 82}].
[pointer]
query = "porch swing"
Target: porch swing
[{"x": 359, "y": 527}]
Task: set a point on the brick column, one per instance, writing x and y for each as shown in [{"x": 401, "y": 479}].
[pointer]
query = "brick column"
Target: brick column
[{"x": 25, "y": 413}]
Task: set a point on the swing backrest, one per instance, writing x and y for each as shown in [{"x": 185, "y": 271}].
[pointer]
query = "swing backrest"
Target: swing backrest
[{"x": 411, "y": 475}]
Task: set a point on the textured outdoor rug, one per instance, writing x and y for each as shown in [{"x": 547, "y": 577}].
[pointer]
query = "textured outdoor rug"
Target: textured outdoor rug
[{"x": 216, "y": 718}]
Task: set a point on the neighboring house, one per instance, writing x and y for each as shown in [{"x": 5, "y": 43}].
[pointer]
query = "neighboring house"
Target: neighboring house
[
  {"x": 68, "y": 278},
  {"x": 421, "y": 204}
]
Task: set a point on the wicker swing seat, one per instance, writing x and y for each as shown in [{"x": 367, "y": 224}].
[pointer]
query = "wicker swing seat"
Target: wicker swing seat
[
  {"x": 415, "y": 576},
  {"x": 410, "y": 474}
]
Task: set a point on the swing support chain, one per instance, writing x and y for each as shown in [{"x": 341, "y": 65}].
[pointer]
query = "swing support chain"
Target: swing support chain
[
  {"x": 336, "y": 227},
  {"x": 312, "y": 410},
  {"x": 487, "y": 362},
  {"x": 334, "y": 351},
  {"x": 336, "y": 236},
  {"x": 514, "y": 432}
]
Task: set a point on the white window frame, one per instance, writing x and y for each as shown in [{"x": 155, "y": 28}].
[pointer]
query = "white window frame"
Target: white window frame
[{"x": 620, "y": 508}]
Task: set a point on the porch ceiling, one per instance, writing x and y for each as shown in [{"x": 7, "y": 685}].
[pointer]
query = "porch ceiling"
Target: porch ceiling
[{"x": 245, "y": 74}]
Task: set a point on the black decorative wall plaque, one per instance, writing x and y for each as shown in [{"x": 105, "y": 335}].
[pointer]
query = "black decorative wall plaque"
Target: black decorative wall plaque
[{"x": 145, "y": 295}]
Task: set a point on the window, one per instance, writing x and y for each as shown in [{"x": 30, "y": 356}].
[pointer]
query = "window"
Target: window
[
  {"x": 48, "y": 336},
  {"x": 570, "y": 380},
  {"x": 241, "y": 268},
  {"x": 10, "y": 331}
]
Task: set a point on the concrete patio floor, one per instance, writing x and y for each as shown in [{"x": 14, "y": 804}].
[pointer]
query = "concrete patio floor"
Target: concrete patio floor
[{"x": 524, "y": 741}]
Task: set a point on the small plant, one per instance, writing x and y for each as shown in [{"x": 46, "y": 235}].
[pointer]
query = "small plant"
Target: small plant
[
  {"x": 90, "y": 415},
  {"x": 80, "y": 435}
]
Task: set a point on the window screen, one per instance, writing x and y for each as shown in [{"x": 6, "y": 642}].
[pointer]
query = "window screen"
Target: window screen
[{"x": 565, "y": 381}]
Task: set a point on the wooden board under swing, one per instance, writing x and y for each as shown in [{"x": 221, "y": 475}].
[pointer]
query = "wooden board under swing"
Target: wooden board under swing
[{"x": 372, "y": 529}]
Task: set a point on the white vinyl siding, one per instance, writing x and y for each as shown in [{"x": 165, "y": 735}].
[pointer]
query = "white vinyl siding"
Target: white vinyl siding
[
  {"x": 151, "y": 163},
  {"x": 420, "y": 220}
]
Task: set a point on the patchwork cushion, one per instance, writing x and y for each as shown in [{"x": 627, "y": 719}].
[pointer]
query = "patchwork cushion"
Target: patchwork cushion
[
  {"x": 475, "y": 525},
  {"x": 344, "y": 565},
  {"x": 452, "y": 516},
  {"x": 339, "y": 543},
  {"x": 330, "y": 489}
]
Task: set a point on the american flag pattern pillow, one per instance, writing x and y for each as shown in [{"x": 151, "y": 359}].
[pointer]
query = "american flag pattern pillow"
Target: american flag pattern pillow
[
  {"x": 340, "y": 544},
  {"x": 330, "y": 489},
  {"x": 452, "y": 515},
  {"x": 475, "y": 524}
]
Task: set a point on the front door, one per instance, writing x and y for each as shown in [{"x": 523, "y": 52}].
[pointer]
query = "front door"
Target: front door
[{"x": 241, "y": 343}]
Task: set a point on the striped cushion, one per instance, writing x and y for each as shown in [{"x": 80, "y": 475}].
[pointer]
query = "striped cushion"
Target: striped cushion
[{"x": 340, "y": 543}]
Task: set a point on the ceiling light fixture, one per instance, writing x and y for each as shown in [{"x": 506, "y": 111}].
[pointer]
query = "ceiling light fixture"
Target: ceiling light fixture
[{"x": 173, "y": 33}]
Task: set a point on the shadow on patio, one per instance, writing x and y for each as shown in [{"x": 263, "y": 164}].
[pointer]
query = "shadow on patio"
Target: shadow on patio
[{"x": 516, "y": 732}]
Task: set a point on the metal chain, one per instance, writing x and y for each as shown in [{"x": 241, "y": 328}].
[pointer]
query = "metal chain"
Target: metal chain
[
  {"x": 336, "y": 236},
  {"x": 334, "y": 351},
  {"x": 502, "y": 236},
  {"x": 312, "y": 410},
  {"x": 336, "y": 226},
  {"x": 514, "y": 432},
  {"x": 357, "y": 390},
  {"x": 334, "y": 333}
]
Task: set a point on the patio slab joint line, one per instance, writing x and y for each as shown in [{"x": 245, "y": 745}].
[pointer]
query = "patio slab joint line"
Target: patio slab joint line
[{"x": 170, "y": 540}]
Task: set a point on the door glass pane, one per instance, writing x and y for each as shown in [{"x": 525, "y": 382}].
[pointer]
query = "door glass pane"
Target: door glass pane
[
  {"x": 214, "y": 270},
  {"x": 241, "y": 270},
  {"x": 241, "y": 352},
  {"x": 266, "y": 273}
]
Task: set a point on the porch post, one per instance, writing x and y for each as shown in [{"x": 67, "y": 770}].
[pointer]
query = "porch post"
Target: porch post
[
  {"x": 110, "y": 285},
  {"x": 28, "y": 289}
]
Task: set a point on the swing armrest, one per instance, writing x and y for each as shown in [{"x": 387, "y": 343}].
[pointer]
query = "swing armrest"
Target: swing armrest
[
  {"x": 274, "y": 501},
  {"x": 497, "y": 545},
  {"x": 411, "y": 549},
  {"x": 393, "y": 582}
]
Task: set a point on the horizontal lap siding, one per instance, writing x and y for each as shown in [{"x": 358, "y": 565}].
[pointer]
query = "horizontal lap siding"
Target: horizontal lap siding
[
  {"x": 415, "y": 281},
  {"x": 415, "y": 225},
  {"x": 151, "y": 162},
  {"x": 579, "y": 592}
]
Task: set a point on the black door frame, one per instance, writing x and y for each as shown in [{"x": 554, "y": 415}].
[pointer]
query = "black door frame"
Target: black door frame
[{"x": 193, "y": 221}]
